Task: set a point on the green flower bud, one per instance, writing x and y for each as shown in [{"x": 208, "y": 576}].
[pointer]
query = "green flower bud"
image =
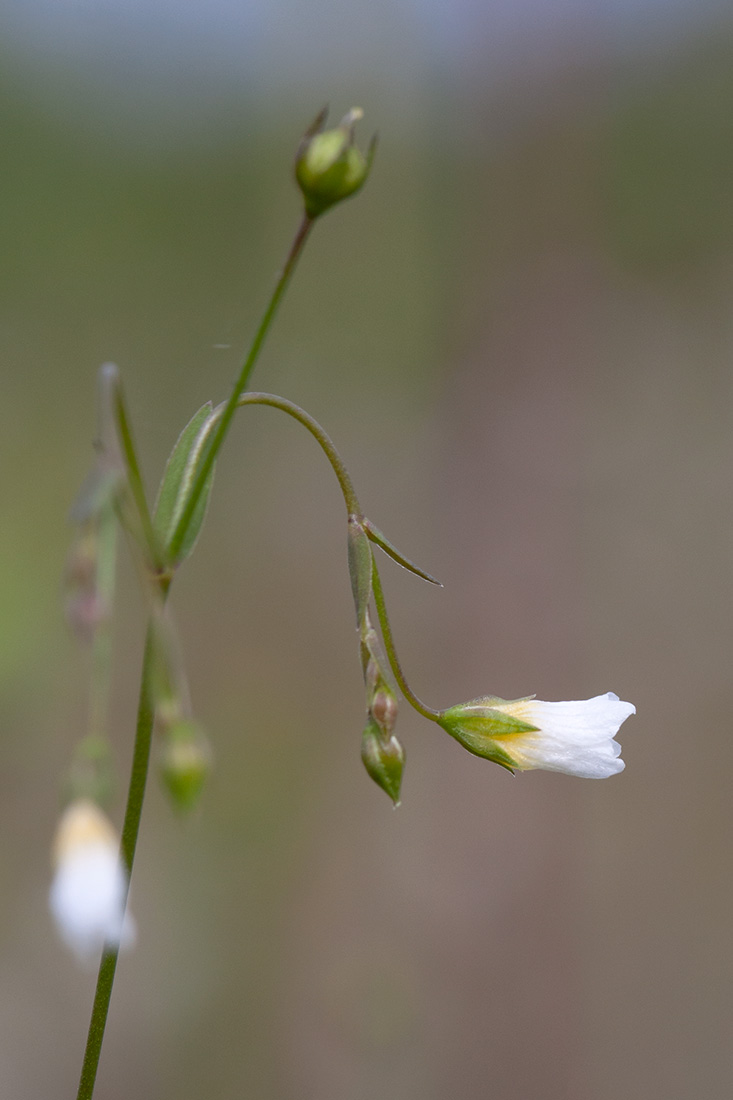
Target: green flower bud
[
  {"x": 328, "y": 166},
  {"x": 185, "y": 764},
  {"x": 384, "y": 759}
]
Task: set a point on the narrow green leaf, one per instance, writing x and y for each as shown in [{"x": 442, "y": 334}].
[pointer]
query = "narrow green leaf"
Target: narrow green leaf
[
  {"x": 180, "y": 474},
  {"x": 383, "y": 542}
]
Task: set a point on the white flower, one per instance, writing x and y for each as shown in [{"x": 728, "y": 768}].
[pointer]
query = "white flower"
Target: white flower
[
  {"x": 574, "y": 737},
  {"x": 87, "y": 895}
]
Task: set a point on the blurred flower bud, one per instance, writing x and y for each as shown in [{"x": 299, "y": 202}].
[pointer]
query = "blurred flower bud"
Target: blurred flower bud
[
  {"x": 89, "y": 888},
  {"x": 328, "y": 166},
  {"x": 86, "y": 609},
  {"x": 85, "y": 612},
  {"x": 81, "y": 564},
  {"x": 185, "y": 764},
  {"x": 384, "y": 759},
  {"x": 168, "y": 712}
]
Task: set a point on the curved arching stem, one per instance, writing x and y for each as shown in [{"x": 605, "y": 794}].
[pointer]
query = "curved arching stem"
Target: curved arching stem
[
  {"x": 354, "y": 509},
  {"x": 320, "y": 435}
]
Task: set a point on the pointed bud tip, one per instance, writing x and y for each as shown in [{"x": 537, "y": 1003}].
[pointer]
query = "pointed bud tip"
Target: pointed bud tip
[
  {"x": 384, "y": 760},
  {"x": 352, "y": 116}
]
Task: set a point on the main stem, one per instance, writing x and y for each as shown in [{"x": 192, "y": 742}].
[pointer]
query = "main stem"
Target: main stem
[
  {"x": 130, "y": 830},
  {"x": 145, "y": 713},
  {"x": 241, "y": 384}
]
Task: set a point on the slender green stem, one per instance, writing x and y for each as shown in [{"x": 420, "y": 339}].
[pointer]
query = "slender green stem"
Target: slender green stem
[
  {"x": 130, "y": 829},
  {"x": 325, "y": 442},
  {"x": 240, "y": 385},
  {"x": 134, "y": 478},
  {"x": 409, "y": 694}
]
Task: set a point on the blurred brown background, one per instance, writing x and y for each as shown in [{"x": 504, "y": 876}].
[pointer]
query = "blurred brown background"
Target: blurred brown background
[{"x": 520, "y": 338}]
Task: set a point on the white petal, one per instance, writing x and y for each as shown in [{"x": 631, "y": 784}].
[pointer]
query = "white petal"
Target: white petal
[
  {"x": 575, "y": 737},
  {"x": 87, "y": 895}
]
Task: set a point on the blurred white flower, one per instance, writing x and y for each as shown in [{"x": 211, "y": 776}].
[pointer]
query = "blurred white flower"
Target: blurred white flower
[
  {"x": 87, "y": 895},
  {"x": 575, "y": 737}
]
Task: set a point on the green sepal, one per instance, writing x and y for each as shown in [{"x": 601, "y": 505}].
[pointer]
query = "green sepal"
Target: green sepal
[
  {"x": 389, "y": 548},
  {"x": 384, "y": 760},
  {"x": 179, "y": 477},
  {"x": 476, "y": 725},
  {"x": 360, "y": 568}
]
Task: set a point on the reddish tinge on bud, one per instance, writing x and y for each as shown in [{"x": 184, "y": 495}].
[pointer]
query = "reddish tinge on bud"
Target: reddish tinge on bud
[{"x": 384, "y": 710}]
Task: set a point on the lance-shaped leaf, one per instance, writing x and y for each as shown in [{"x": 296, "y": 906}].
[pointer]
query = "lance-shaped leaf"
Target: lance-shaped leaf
[
  {"x": 180, "y": 476},
  {"x": 382, "y": 541},
  {"x": 360, "y": 568}
]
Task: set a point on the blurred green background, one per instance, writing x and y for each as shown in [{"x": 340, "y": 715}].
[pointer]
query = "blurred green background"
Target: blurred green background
[{"x": 519, "y": 336}]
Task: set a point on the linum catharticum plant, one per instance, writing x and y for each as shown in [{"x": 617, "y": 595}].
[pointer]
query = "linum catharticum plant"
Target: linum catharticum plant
[{"x": 89, "y": 890}]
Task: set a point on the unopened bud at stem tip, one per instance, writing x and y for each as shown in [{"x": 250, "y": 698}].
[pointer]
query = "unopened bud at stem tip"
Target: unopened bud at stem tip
[{"x": 328, "y": 166}]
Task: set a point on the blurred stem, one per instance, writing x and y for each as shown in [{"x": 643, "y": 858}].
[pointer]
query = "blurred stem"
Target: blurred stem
[
  {"x": 130, "y": 830},
  {"x": 134, "y": 478},
  {"x": 409, "y": 694},
  {"x": 102, "y": 643},
  {"x": 240, "y": 385},
  {"x": 323, "y": 439}
]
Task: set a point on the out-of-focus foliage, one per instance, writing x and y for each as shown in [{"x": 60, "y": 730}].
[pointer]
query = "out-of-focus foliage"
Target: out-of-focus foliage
[{"x": 669, "y": 161}]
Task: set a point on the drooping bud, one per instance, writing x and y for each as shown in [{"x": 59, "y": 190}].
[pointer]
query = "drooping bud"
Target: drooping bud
[
  {"x": 89, "y": 888},
  {"x": 185, "y": 764},
  {"x": 384, "y": 759},
  {"x": 328, "y": 166}
]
